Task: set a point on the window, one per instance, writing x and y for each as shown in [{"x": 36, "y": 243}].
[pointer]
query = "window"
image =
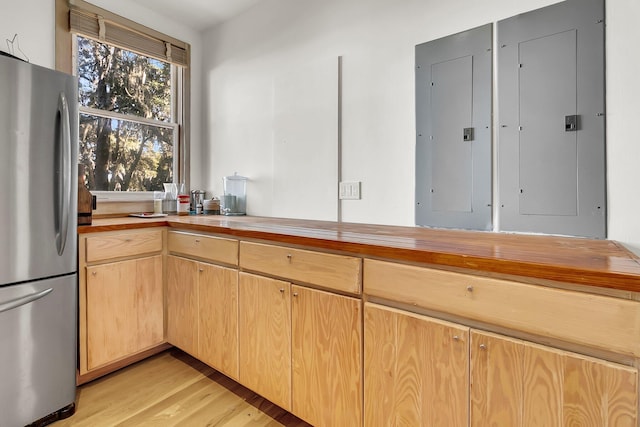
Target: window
[
  {"x": 133, "y": 87},
  {"x": 127, "y": 134}
]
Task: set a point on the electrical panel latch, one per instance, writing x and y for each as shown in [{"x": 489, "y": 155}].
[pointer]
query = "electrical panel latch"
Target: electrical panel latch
[
  {"x": 570, "y": 123},
  {"x": 467, "y": 134}
]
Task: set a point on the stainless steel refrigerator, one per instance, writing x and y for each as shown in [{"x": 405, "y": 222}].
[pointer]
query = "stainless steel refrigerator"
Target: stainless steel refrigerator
[{"x": 38, "y": 243}]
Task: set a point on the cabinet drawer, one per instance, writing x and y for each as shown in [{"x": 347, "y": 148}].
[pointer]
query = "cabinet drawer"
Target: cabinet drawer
[
  {"x": 593, "y": 320},
  {"x": 216, "y": 249},
  {"x": 105, "y": 246},
  {"x": 331, "y": 271}
]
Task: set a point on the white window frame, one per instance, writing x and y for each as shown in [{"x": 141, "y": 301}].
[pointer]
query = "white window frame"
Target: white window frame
[{"x": 176, "y": 99}]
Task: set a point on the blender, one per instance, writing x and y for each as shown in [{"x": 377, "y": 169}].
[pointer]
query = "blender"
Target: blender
[{"x": 197, "y": 199}]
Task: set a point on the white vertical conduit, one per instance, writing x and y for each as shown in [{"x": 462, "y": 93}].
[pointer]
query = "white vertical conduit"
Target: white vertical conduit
[{"x": 339, "y": 137}]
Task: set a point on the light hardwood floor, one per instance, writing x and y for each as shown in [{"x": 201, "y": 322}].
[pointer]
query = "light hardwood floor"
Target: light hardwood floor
[{"x": 173, "y": 389}]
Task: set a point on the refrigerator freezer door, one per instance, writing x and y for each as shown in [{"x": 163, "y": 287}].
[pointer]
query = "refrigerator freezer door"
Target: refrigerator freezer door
[
  {"x": 37, "y": 349},
  {"x": 38, "y": 172}
]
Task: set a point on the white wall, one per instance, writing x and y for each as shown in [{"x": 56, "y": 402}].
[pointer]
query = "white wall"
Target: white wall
[
  {"x": 376, "y": 38},
  {"x": 34, "y": 22},
  {"x": 623, "y": 144}
]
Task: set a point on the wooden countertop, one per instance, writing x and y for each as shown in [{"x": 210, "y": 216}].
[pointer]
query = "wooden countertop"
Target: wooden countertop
[{"x": 600, "y": 263}]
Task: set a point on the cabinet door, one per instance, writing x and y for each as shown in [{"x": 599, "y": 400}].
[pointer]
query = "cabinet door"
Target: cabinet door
[
  {"x": 326, "y": 350},
  {"x": 416, "y": 370},
  {"x": 218, "y": 318},
  {"x": 124, "y": 309},
  {"x": 496, "y": 380},
  {"x": 521, "y": 384},
  {"x": 182, "y": 304},
  {"x": 265, "y": 337},
  {"x": 595, "y": 393}
]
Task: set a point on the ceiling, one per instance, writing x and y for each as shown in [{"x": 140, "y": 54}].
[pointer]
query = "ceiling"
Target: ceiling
[{"x": 198, "y": 14}]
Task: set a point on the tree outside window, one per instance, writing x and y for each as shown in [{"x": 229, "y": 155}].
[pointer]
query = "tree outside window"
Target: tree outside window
[{"x": 127, "y": 132}]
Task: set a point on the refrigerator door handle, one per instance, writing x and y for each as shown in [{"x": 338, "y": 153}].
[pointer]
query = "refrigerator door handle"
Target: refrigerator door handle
[
  {"x": 10, "y": 305},
  {"x": 64, "y": 178}
]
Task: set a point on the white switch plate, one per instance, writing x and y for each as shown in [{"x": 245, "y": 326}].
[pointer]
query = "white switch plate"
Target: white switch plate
[{"x": 350, "y": 190}]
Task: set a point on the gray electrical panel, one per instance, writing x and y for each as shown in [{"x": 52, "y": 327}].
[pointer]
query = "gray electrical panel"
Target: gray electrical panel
[
  {"x": 453, "y": 130},
  {"x": 551, "y": 146}
]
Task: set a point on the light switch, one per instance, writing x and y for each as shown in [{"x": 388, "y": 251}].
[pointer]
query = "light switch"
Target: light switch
[{"x": 349, "y": 190}]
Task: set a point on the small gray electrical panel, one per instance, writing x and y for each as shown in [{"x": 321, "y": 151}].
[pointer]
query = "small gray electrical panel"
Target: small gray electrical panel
[{"x": 467, "y": 134}]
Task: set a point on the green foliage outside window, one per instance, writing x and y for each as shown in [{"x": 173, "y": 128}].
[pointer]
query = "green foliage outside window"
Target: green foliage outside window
[{"x": 132, "y": 149}]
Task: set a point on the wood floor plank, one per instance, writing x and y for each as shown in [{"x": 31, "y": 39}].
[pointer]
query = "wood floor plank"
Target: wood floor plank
[
  {"x": 173, "y": 389},
  {"x": 177, "y": 407},
  {"x": 108, "y": 400}
]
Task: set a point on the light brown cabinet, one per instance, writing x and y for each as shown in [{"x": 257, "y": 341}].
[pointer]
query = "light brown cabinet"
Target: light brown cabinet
[
  {"x": 182, "y": 304},
  {"x": 103, "y": 247},
  {"x": 416, "y": 370},
  {"x": 207, "y": 248},
  {"x": 124, "y": 309},
  {"x": 291, "y": 325},
  {"x": 331, "y": 271},
  {"x": 121, "y": 299},
  {"x": 202, "y": 312},
  {"x": 265, "y": 337},
  {"x": 595, "y": 321},
  {"x": 512, "y": 382},
  {"x": 202, "y": 298},
  {"x": 218, "y": 318},
  {"x": 325, "y": 332},
  {"x": 517, "y": 383},
  {"x": 301, "y": 349},
  {"x": 424, "y": 372},
  {"x": 326, "y": 352}
]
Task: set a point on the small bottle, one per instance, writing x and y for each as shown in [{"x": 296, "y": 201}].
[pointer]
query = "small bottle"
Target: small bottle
[
  {"x": 183, "y": 204},
  {"x": 198, "y": 208}
]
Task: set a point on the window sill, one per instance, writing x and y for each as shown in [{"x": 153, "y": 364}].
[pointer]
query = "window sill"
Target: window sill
[
  {"x": 123, "y": 196},
  {"x": 111, "y": 207}
]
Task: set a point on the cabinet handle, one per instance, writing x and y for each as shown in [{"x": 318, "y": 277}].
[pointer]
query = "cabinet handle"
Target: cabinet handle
[
  {"x": 197, "y": 240},
  {"x": 483, "y": 347},
  {"x": 201, "y": 270},
  {"x": 282, "y": 291},
  {"x": 94, "y": 273},
  {"x": 289, "y": 256},
  {"x": 456, "y": 338},
  {"x": 295, "y": 294},
  {"x": 469, "y": 288}
]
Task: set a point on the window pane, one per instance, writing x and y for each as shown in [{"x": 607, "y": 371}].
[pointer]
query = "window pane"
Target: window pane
[
  {"x": 113, "y": 79},
  {"x": 121, "y": 155}
]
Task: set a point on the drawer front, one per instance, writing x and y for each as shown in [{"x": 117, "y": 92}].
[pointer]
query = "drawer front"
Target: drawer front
[
  {"x": 596, "y": 321},
  {"x": 209, "y": 248},
  {"x": 338, "y": 272},
  {"x": 103, "y": 246}
]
